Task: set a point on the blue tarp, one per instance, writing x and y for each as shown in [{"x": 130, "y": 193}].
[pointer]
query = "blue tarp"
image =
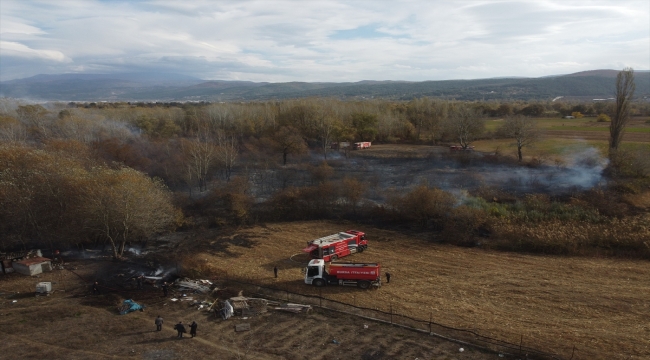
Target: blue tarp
[{"x": 129, "y": 306}]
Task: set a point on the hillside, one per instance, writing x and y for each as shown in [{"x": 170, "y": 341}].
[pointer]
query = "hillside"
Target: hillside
[{"x": 174, "y": 87}]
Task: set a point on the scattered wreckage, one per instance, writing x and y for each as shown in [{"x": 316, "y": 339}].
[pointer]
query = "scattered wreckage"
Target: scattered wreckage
[
  {"x": 238, "y": 306},
  {"x": 246, "y": 307}
]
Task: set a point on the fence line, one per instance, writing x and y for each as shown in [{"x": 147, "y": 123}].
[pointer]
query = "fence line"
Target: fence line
[{"x": 449, "y": 333}]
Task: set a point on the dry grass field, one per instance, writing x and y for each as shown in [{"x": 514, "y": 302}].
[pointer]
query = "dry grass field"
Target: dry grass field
[
  {"x": 598, "y": 305},
  {"x": 73, "y": 324}
]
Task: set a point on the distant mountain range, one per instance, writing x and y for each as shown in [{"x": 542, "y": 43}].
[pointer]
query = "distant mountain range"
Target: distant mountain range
[{"x": 175, "y": 87}]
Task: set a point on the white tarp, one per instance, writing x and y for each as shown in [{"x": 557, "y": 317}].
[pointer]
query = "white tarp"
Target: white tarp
[{"x": 227, "y": 310}]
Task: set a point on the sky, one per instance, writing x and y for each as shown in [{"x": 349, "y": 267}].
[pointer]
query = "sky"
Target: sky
[{"x": 321, "y": 40}]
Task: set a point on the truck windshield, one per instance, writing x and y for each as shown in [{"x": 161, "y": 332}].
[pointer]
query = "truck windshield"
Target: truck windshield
[{"x": 312, "y": 271}]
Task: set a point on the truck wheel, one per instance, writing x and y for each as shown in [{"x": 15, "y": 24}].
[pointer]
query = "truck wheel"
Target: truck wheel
[
  {"x": 319, "y": 282},
  {"x": 363, "y": 284},
  {"x": 334, "y": 258},
  {"x": 360, "y": 249}
]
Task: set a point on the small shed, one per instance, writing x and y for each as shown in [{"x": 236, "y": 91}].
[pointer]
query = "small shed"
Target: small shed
[{"x": 32, "y": 266}]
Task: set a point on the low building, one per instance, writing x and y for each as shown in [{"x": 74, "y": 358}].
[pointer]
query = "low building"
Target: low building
[{"x": 32, "y": 266}]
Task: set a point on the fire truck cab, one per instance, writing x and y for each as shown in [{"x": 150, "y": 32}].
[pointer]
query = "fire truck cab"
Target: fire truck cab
[
  {"x": 363, "y": 275},
  {"x": 332, "y": 247}
]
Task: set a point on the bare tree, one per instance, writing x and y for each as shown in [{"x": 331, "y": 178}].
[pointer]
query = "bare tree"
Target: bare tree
[
  {"x": 35, "y": 118},
  {"x": 352, "y": 190},
  {"x": 220, "y": 116},
  {"x": 465, "y": 125},
  {"x": 12, "y": 130},
  {"x": 523, "y": 129},
  {"x": 326, "y": 128},
  {"x": 426, "y": 114},
  {"x": 288, "y": 141},
  {"x": 227, "y": 152},
  {"x": 200, "y": 154},
  {"x": 624, "y": 92}
]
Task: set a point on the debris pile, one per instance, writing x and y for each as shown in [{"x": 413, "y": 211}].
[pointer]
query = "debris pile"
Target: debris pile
[
  {"x": 294, "y": 308},
  {"x": 246, "y": 307},
  {"x": 196, "y": 286}
]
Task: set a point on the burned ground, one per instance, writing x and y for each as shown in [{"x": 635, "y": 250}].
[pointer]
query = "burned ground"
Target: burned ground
[{"x": 394, "y": 169}]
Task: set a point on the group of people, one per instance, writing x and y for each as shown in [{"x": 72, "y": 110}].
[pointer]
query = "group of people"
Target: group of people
[{"x": 180, "y": 327}]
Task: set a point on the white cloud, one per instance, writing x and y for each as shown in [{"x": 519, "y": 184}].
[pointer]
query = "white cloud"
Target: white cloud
[
  {"x": 14, "y": 27},
  {"x": 268, "y": 40},
  {"x": 8, "y": 48}
]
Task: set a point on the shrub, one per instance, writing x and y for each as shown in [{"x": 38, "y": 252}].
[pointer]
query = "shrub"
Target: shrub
[
  {"x": 463, "y": 225},
  {"x": 423, "y": 205},
  {"x": 230, "y": 203},
  {"x": 603, "y": 118}
]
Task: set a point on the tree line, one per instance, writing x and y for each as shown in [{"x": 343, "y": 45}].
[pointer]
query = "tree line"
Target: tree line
[{"x": 115, "y": 173}]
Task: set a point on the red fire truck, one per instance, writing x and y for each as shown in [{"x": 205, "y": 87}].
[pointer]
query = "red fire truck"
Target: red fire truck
[
  {"x": 332, "y": 247},
  {"x": 361, "y": 145},
  {"x": 362, "y": 275}
]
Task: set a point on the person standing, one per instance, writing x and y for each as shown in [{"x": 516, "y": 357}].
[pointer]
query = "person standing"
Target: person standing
[
  {"x": 387, "y": 278},
  {"x": 275, "y": 271},
  {"x": 159, "y": 323},
  {"x": 180, "y": 328},
  {"x": 193, "y": 327},
  {"x": 96, "y": 288},
  {"x": 140, "y": 280},
  {"x": 165, "y": 289}
]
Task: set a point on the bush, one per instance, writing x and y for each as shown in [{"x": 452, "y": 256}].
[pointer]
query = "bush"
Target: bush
[
  {"x": 424, "y": 206},
  {"x": 230, "y": 203},
  {"x": 464, "y": 225},
  {"x": 603, "y": 118}
]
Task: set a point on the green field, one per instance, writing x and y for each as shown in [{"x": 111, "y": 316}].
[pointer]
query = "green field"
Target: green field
[
  {"x": 638, "y": 124},
  {"x": 552, "y": 148},
  {"x": 599, "y": 128}
]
